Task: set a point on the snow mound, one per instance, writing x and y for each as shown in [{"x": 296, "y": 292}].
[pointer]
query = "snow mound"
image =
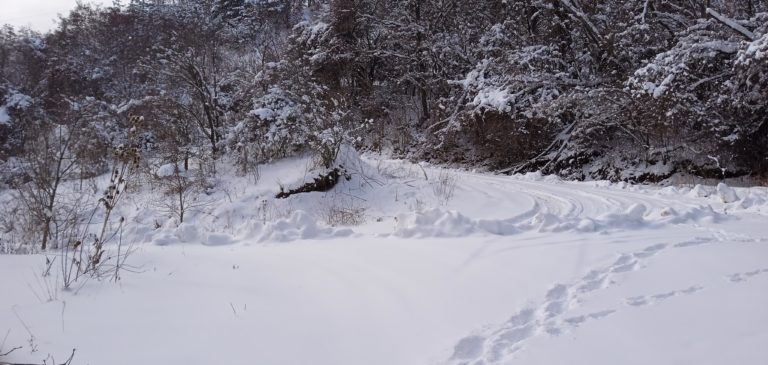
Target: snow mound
[
  {"x": 168, "y": 169},
  {"x": 300, "y": 225},
  {"x": 244, "y": 211},
  {"x": 436, "y": 223},
  {"x": 751, "y": 201},
  {"x": 537, "y": 176},
  {"x": 439, "y": 223},
  {"x": 218, "y": 239},
  {"x": 726, "y": 193},
  {"x": 699, "y": 191},
  {"x": 164, "y": 239}
]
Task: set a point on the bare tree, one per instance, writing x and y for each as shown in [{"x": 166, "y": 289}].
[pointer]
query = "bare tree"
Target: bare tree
[
  {"x": 49, "y": 161},
  {"x": 183, "y": 190}
]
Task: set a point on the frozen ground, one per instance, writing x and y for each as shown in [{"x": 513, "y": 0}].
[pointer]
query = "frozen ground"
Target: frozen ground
[{"x": 501, "y": 270}]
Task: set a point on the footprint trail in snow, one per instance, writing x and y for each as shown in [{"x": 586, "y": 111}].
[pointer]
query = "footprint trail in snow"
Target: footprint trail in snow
[{"x": 550, "y": 317}]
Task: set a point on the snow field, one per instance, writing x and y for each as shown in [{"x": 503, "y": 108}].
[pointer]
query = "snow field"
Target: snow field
[{"x": 524, "y": 269}]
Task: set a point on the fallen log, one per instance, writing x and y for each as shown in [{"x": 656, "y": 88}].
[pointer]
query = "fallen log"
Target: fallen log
[{"x": 321, "y": 183}]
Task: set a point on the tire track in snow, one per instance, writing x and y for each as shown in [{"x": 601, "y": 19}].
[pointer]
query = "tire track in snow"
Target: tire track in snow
[
  {"x": 546, "y": 202},
  {"x": 567, "y": 206}
]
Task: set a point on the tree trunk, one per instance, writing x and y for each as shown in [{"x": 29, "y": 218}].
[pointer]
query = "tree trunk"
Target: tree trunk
[{"x": 46, "y": 232}]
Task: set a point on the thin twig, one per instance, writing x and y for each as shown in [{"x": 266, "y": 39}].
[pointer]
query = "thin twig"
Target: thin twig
[
  {"x": 68, "y": 362},
  {"x": 11, "y": 350},
  {"x": 13, "y": 308},
  {"x": 7, "y": 333}
]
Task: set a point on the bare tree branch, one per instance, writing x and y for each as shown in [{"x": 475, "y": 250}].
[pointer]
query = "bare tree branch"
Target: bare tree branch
[{"x": 732, "y": 24}]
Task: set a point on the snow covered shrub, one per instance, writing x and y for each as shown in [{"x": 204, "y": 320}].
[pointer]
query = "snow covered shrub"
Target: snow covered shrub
[
  {"x": 685, "y": 104},
  {"x": 197, "y": 97},
  {"x": 525, "y": 66},
  {"x": 278, "y": 126},
  {"x": 748, "y": 101},
  {"x": 327, "y": 143},
  {"x": 704, "y": 92},
  {"x": 578, "y": 88},
  {"x": 300, "y": 116},
  {"x": 11, "y": 128},
  {"x": 599, "y": 89}
]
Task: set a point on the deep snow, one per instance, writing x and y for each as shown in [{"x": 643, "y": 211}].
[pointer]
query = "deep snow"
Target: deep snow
[{"x": 524, "y": 269}]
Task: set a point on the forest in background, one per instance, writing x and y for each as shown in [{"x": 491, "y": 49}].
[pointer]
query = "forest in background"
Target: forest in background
[{"x": 623, "y": 90}]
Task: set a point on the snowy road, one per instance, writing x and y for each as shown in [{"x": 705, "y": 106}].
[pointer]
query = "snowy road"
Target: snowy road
[{"x": 512, "y": 270}]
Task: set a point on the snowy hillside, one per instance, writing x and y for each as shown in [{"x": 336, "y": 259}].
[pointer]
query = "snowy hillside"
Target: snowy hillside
[{"x": 412, "y": 264}]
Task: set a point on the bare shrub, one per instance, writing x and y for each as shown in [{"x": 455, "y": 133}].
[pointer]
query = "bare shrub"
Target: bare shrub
[
  {"x": 398, "y": 170},
  {"x": 46, "y": 287},
  {"x": 417, "y": 205},
  {"x": 270, "y": 211},
  {"x": 254, "y": 172},
  {"x": 17, "y": 228},
  {"x": 126, "y": 161},
  {"x": 247, "y": 159},
  {"x": 444, "y": 186},
  {"x": 341, "y": 214},
  {"x": 183, "y": 193},
  {"x": 82, "y": 250},
  {"x": 48, "y": 163}
]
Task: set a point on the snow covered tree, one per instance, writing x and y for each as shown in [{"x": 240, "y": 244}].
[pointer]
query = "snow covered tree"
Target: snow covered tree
[{"x": 575, "y": 87}]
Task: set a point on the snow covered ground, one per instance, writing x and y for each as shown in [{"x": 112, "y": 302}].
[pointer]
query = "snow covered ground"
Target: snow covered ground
[{"x": 523, "y": 269}]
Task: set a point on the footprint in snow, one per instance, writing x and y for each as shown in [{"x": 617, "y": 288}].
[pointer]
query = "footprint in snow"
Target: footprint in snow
[
  {"x": 594, "y": 280},
  {"x": 468, "y": 348},
  {"x": 631, "y": 261},
  {"x": 694, "y": 242},
  {"x": 650, "y": 250},
  {"x": 557, "y": 299},
  {"x": 744, "y": 276},
  {"x": 640, "y": 301},
  {"x": 529, "y": 322},
  {"x": 579, "y": 320},
  {"x": 625, "y": 263},
  {"x": 503, "y": 341}
]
